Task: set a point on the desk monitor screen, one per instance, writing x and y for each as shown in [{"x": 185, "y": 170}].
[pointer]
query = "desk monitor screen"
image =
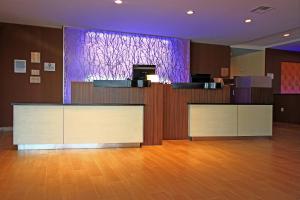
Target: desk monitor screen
[
  {"x": 201, "y": 78},
  {"x": 140, "y": 72}
]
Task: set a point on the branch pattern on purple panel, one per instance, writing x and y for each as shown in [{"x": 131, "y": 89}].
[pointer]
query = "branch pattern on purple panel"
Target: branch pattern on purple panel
[{"x": 103, "y": 55}]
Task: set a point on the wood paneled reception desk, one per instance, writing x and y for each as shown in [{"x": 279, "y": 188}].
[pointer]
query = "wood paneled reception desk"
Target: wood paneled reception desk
[
  {"x": 147, "y": 115},
  {"x": 166, "y": 108}
]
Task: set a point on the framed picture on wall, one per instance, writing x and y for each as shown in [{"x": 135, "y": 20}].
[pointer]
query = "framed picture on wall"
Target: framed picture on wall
[
  {"x": 19, "y": 66},
  {"x": 49, "y": 67}
]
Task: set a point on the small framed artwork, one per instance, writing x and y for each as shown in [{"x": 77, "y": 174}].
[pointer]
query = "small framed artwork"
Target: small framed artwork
[
  {"x": 35, "y": 79},
  {"x": 49, "y": 67},
  {"x": 35, "y": 72},
  {"x": 20, "y": 66},
  {"x": 35, "y": 57}
]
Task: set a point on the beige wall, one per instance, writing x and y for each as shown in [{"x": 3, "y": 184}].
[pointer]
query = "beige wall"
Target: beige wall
[{"x": 250, "y": 64}]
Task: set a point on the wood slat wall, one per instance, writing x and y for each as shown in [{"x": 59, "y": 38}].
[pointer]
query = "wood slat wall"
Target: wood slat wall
[{"x": 153, "y": 114}]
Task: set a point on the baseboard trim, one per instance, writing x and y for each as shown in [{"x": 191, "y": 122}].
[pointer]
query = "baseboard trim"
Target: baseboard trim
[
  {"x": 6, "y": 129},
  {"x": 229, "y": 138},
  {"x": 75, "y": 146}
]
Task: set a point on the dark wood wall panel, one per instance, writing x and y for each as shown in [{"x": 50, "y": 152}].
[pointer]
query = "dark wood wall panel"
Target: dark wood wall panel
[
  {"x": 118, "y": 95},
  {"x": 290, "y": 103},
  {"x": 16, "y": 42},
  {"x": 82, "y": 93},
  {"x": 175, "y": 113},
  {"x": 153, "y": 117},
  {"x": 86, "y": 93},
  {"x": 261, "y": 95},
  {"x": 209, "y": 58}
]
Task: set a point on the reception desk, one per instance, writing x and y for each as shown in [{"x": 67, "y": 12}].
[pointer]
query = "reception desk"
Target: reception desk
[
  {"x": 46, "y": 126},
  {"x": 129, "y": 115},
  {"x": 166, "y": 108}
]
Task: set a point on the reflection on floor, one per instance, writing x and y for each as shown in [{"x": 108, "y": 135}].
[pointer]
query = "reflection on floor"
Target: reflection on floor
[{"x": 231, "y": 169}]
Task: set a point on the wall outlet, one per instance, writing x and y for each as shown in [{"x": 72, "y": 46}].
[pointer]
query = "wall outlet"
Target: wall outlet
[{"x": 282, "y": 109}]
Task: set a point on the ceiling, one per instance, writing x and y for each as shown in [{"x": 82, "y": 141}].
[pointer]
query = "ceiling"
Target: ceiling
[
  {"x": 214, "y": 21},
  {"x": 240, "y": 51}
]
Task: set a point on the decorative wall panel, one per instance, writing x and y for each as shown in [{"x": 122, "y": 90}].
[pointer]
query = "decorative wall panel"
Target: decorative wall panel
[
  {"x": 102, "y": 55},
  {"x": 290, "y": 78}
]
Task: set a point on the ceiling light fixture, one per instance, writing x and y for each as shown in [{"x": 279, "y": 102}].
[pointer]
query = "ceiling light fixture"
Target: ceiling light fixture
[
  {"x": 190, "y": 12},
  {"x": 118, "y": 1},
  {"x": 286, "y": 35},
  {"x": 248, "y": 20}
]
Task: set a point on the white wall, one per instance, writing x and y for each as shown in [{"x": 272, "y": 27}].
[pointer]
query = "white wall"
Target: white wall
[{"x": 250, "y": 64}]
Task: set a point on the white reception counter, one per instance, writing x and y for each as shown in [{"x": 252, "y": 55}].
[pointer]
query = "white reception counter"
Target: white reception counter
[
  {"x": 42, "y": 126},
  {"x": 230, "y": 120}
]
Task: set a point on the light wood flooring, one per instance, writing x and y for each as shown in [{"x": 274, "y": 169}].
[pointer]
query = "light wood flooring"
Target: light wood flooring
[{"x": 232, "y": 169}]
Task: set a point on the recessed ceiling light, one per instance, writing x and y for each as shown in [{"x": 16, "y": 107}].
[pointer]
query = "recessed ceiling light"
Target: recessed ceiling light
[
  {"x": 248, "y": 20},
  {"x": 190, "y": 12},
  {"x": 286, "y": 35},
  {"x": 118, "y": 1}
]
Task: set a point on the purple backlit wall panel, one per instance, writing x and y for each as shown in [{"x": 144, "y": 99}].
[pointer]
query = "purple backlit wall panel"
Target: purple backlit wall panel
[{"x": 102, "y": 55}]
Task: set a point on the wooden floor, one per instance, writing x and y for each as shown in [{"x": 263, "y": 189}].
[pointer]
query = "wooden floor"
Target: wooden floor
[{"x": 232, "y": 169}]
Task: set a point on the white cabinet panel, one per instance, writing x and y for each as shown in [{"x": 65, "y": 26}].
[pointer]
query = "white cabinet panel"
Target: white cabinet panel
[
  {"x": 255, "y": 120},
  {"x": 212, "y": 120},
  {"x": 34, "y": 124},
  {"x": 103, "y": 124}
]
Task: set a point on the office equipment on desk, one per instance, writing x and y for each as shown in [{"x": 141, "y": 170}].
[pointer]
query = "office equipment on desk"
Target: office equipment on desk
[
  {"x": 121, "y": 83},
  {"x": 112, "y": 83},
  {"x": 219, "y": 82},
  {"x": 200, "y": 81},
  {"x": 140, "y": 83},
  {"x": 228, "y": 81},
  {"x": 153, "y": 78},
  {"x": 140, "y": 72},
  {"x": 201, "y": 78}
]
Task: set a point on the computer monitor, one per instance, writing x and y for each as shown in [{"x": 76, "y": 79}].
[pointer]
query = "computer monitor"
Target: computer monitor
[
  {"x": 140, "y": 72},
  {"x": 201, "y": 78}
]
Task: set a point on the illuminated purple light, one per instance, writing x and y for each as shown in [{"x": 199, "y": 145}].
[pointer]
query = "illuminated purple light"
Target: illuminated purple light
[{"x": 102, "y": 55}]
